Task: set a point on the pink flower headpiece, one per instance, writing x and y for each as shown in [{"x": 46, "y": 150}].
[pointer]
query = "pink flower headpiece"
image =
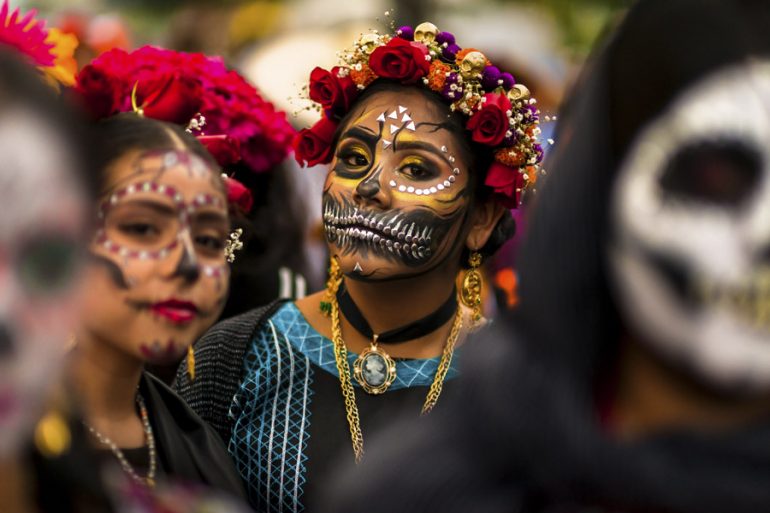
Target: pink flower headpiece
[
  {"x": 194, "y": 90},
  {"x": 501, "y": 113}
]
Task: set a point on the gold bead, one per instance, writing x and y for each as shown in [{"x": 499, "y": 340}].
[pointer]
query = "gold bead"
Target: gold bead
[
  {"x": 473, "y": 64},
  {"x": 425, "y": 32},
  {"x": 518, "y": 92}
]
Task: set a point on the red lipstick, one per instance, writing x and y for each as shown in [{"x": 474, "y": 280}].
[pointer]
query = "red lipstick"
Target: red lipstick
[{"x": 175, "y": 310}]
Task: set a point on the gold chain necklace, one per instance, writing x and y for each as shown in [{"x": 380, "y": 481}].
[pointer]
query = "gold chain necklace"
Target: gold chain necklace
[{"x": 348, "y": 393}]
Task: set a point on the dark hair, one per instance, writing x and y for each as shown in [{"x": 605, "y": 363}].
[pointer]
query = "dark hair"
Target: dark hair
[
  {"x": 479, "y": 157},
  {"x": 127, "y": 131},
  {"x": 22, "y": 85},
  {"x": 274, "y": 234}
]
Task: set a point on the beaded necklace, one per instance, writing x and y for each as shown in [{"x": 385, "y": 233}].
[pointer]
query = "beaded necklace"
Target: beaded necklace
[{"x": 149, "y": 479}]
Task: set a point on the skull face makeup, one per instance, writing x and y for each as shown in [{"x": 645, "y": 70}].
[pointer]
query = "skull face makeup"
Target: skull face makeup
[
  {"x": 398, "y": 193},
  {"x": 161, "y": 277},
  {"x": 692, "y": 236},
  {"x": 41, "y": 232}
]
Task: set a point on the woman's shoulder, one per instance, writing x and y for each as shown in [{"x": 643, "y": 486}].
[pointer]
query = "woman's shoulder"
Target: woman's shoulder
[
  {"x": 189, "y": 448},
  {"x": 208, "y": 378},
  {"x": 242, "y": 326}
]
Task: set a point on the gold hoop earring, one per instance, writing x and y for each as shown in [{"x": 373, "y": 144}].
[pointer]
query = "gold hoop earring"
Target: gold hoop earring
[
  {"x": 191, "y": 363},
  {"x": 470, "y": 293},
  {"x": 335, "y": 277}
]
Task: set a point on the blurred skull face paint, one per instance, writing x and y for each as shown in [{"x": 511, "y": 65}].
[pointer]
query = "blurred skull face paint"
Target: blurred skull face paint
[
  {"x": 398, "y": 193},
  {"x": 692, "y": 230},
  {"x": 161, "y": 275},
  {"x": 42, "y": 233}
]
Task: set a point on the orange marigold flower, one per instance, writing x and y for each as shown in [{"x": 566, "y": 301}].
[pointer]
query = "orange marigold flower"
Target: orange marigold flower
[
  {"x": 473, "y": 101},
  {"x": 512, "y": 157},
  {"x": 531, "y": 175},
  {"x": 437, "y": 75},
  {"x": 364, "y": 77}
]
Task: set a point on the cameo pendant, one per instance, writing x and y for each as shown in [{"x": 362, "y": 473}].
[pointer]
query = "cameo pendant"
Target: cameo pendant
[{"x": 374, "y": 369}]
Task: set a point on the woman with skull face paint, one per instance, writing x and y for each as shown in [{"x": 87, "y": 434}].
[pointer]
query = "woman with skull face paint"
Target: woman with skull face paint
[
  {"x": 640, "y": 379},
  {"x": 158, "y": 279},
  {"x": 428, "y": 145}
]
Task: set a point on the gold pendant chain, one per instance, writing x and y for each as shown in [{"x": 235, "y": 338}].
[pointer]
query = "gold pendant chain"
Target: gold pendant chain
[{"x": 348, "y": 392}]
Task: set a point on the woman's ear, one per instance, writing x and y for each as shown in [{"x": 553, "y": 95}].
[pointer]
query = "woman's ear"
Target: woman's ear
[{"x": 483, "y": 222}]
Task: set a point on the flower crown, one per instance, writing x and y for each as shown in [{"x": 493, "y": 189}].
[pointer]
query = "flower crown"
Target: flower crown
[
  {"x": 501, "y": 113},
  {"x": 216, "y": 104}
]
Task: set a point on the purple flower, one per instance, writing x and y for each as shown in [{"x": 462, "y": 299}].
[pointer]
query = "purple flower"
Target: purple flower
[
  {"x": 508, "y": 80},
  {"x": 489, "y": 78},
  {"x": 510, "y": 140},
  {"x": 449, "y": 52},
  {"x": 452, "y": 90},
  {"x": 406, "y": 32},
  {"x": 531, "y": 114},
  {"x": 445, "y": 37},
  {"x": 538, "y": 151}
]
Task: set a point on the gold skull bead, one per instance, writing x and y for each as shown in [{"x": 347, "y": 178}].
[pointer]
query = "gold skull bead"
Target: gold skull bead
[
  {"x": 425, "y": 32},
  {"x": 518, "y": 92},
  {"x": 472, "y": 64},
  {"x": 369, "y": 42}
]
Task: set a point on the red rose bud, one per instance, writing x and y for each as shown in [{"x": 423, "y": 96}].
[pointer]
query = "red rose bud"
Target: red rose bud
[
  {"x": 223, "y": 148},
  {"x": 97, "y": 91},
  {"x": 173, "y": 98},
  {"x": 238, "y": 195},
  {"x": 489, "y": 124},
  {"x": 400, "y": 60},
  {"x": 335, "y": 94},
  {"x": 313, "y": 146},
  {"x": 506, "y": 182}
]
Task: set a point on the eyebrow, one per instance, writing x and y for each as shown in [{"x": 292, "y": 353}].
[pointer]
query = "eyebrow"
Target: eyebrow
[
  {"x": 210, "y": 217},
  {"x": 365, "y": 134},
  {"x": 153, "y": 205},
  {"x": 420, "y": 145}
]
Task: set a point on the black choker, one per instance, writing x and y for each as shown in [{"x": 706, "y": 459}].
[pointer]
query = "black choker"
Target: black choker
[{"x": 411, "y": 331}]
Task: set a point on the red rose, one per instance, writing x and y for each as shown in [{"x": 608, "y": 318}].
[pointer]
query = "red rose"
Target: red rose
[
  {"x": 335, "y": 94},
  {"x": 313, "y": 146},
  {"x": 400, "y": 60},
  {"x": 489, "y": 124},
  {"x": 99, "y": 91},
  {"x": 223, "y": 148},
  {"x": 507, "y": 183},
  {"x": 173, "y": 97},
  {"x": 238, "y": 195}
]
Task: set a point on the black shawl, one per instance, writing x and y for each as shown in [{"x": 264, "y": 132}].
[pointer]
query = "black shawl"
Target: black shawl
[{"x": 188, "y": 449}]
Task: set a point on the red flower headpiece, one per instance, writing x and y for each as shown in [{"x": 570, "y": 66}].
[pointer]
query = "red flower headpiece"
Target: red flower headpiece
[
  {"x": 227, "y": 113},
  {"x": 501, "y": 114}
]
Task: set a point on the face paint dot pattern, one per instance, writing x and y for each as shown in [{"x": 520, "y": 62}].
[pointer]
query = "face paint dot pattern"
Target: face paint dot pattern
[
  {"x": 408, "y": 123},
  {"x": 185, "y": 211}
]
